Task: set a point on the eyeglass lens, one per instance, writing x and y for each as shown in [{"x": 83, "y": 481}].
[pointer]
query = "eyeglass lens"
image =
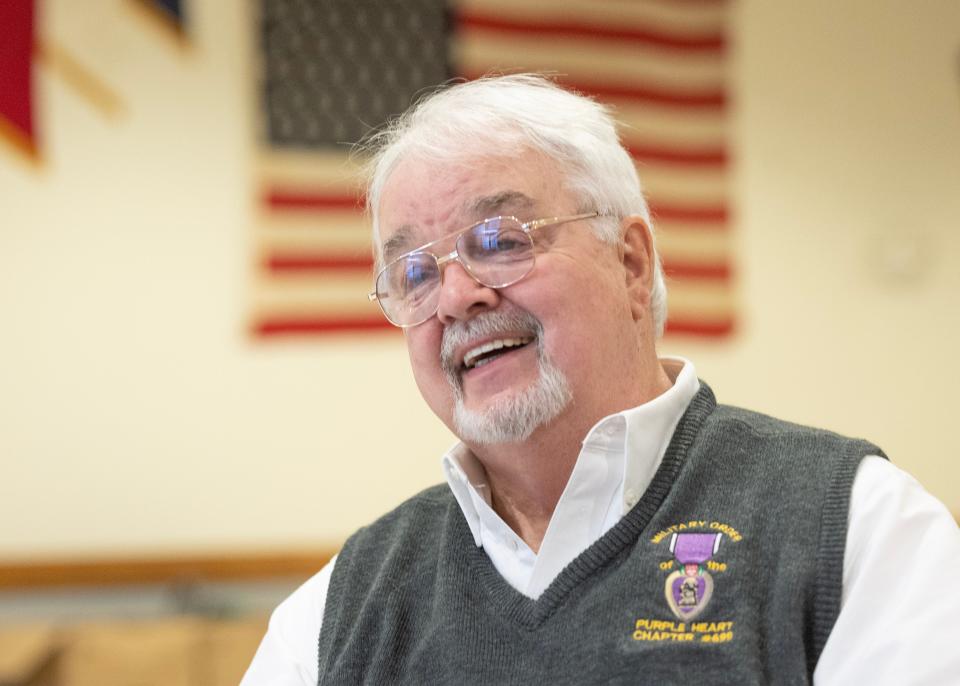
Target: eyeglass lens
[{"x": 497, "y": 253}]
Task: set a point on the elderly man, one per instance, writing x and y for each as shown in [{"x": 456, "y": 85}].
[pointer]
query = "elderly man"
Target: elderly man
[{"x": 605, "y": 520}]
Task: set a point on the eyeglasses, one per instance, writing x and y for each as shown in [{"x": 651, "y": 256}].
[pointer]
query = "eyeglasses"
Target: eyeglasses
[{"x": 496, "y": 252}]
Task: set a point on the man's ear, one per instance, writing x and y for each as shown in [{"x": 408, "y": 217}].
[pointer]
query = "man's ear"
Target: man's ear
[{"x": 638, "y": 263}]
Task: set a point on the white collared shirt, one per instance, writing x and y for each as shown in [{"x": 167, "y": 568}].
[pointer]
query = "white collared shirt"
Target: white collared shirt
[
  {"x": 603, "y": 486},
  {"x": 893, "y": 627}
]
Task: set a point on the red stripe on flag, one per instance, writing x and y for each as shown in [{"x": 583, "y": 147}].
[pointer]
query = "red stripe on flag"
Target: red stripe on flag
[
  {"x": 681, "y": 2},
  {"x": 301, "y": 326},
  {"x": 308, "y": 326},
  {"x": 691, "y": 271},
  {"x": 708, "y": 157},
  {"x": 698, "y": 327},
  {"x": 691, "y": 215},
  {"x": 318, "y": 263},
  {"x": 321, "y": 202},
  {"x": 280, "y": 199},
  {"x": 712, "y": 41},
  {"x": 16, "y": 66},
  {"x": 710, "y": 98}
]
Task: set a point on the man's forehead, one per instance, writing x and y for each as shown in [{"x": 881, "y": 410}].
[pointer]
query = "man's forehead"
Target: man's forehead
[{"x": 410, "y": 236}]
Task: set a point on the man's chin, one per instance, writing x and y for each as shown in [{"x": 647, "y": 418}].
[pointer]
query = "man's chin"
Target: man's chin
[
  {"x": 488, "y": 427},
  {"x": 483, "y": 401},
  {"x": 512, "y": 416}
]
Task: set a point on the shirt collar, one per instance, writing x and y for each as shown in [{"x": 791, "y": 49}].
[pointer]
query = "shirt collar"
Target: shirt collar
[
  {"x": 468, "y": 481},
  {"x": 638, "y": 436}
]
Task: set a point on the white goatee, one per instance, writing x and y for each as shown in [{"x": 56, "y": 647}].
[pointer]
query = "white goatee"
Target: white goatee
[{"x": 511, "y": 417}]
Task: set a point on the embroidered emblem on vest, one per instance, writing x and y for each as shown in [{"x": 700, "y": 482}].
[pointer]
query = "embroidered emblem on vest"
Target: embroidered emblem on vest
[
  {"x": 689, "y": 585},
  {"x": 689, "y": 589}
]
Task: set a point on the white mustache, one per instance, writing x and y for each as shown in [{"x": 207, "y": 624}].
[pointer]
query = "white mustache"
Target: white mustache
[{"x": 485, "y": 324}]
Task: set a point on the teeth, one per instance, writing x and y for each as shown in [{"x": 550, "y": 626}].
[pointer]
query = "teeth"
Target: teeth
[{"x": 469, "y": 360}]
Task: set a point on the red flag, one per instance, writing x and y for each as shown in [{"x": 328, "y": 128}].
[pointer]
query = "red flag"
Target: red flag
[{"x": 16, "y": 73}]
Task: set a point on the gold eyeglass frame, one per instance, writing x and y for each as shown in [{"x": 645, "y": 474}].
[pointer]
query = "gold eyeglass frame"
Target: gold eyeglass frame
[{"x": 454, "y": 255}]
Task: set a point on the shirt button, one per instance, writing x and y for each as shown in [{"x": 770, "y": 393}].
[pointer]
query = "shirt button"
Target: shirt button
[{"x": 630, "y": 498}]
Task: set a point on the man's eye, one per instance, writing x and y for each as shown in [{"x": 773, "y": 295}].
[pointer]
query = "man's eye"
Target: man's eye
[
  {"x": 413, "y": 276},
  {"x": 499, "y": 242}
]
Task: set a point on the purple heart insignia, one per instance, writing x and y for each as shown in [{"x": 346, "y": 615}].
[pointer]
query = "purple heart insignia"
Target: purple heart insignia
[{"x": 688, "y": 590}]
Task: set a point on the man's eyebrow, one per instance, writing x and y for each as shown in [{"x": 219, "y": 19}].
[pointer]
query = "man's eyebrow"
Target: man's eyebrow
[
  {"x": 494, "y": 204},
  {"x": 398, "y": 243}
]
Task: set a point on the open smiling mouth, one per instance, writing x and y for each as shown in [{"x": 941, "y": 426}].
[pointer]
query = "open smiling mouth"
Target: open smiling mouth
[{"x": 488, "y": 352}]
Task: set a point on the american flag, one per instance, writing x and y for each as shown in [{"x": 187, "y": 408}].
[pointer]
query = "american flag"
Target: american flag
[{"x": 333, "y": 69}]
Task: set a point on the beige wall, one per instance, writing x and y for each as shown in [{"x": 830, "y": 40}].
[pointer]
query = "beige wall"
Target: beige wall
[{"x": 135, "y": 415}]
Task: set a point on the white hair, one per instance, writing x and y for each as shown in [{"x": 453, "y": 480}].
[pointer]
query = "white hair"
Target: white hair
[{"x": 485, "y": 117}]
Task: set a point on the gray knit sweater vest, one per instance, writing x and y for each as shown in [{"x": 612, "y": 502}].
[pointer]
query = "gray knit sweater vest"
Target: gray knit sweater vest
[{"x": 727, "y": 571}]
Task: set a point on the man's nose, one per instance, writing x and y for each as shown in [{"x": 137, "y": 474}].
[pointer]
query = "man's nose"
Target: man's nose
[{"x": 462, "y": 296}]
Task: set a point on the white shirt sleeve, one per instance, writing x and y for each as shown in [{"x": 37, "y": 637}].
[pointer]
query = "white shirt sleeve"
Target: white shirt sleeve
[
  {"x": 897, "y": 622},
  {"x": 287, "y": 655}
]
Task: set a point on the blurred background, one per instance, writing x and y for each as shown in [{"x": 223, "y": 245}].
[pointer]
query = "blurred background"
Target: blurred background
[{"x": 198, "y": 405}]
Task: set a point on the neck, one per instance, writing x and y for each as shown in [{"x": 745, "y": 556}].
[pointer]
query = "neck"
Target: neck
[{"x": 527, "y": 478}]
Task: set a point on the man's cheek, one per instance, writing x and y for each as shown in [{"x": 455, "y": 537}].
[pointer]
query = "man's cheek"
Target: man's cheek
[{"x": 431, "y": 380}]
